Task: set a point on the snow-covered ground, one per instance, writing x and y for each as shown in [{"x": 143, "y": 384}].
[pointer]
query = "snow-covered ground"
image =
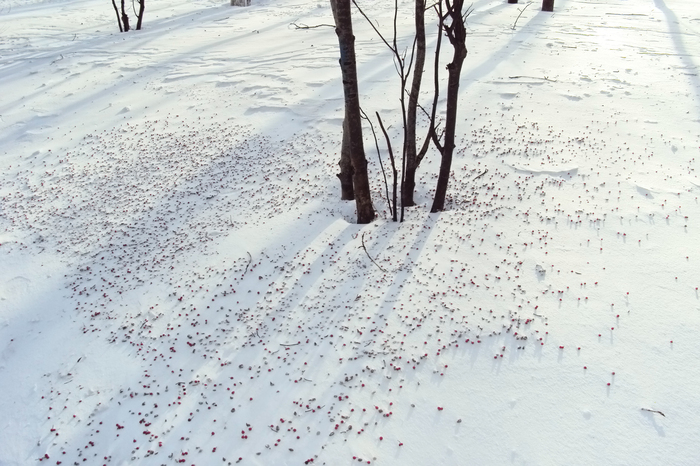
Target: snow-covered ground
[{"x": 179, "y": 282}]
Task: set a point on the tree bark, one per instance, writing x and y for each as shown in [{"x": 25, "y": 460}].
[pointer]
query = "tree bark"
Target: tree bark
[
  {"x": 457, "y": 34},
  {"x": 125, "y": 18},
  {"x": 412, "y": 157},
  {"x": 348, "y": 67},
  {"x": 142, "y": 8},
  {"x": 547, "y": 5},
  {"x": 347, "y": 193},
  {"x": 512, "y": 1}
]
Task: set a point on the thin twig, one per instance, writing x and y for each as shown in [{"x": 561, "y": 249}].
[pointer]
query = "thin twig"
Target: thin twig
[
  {"x": 250, "y": 259},
  {"x": 393, "y": 163},
  {"x": 653, "y": 411},
  {"x": 521, "y": 12},
  {"x": 370, "y": 257},
  {"x": 545, "y": 78},
  {"x": 376, "y": 143},
  {"x": 304, "y": 26},
  {"x": 485, "y": 171},
  {"x": 288, "y": 344}
]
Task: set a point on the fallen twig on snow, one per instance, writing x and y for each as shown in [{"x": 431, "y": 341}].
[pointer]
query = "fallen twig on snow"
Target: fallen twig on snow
[
  {"x": 653, "y": 411},
  {"x": 370, "y": 257},
  {"x": 485, "y": 171},
  {"x": 250, "y": 260},
  {"x": 521, "y": 13},
  {"x": 304, "y": 26},
  {"x": 545, "y": 78}
]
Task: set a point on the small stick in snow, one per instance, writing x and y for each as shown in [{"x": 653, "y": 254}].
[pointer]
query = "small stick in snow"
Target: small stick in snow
[
  {"x": 485, "y": 172},
  {"x": 285, "y": 344},
  {"x": 304, "y": 26},
  {"x": 534, "y": 77},
  {"x": 370, "y": 257},
  {"x": 653, "y": 411},
  {"x": 521, "y": 13},
  {"x": 250, "y": 260}
]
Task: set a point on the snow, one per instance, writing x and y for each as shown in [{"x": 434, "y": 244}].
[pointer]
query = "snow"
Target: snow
[{"x": 180, "y": 283}]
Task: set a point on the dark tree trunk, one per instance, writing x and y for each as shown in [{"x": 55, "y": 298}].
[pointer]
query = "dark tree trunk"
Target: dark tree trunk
[
  {"x": 547, "y": 5},
  {"x": 512, "y": 1},
  {"x": 125, "y": 18},
  {"x": 348, "y": 67},
  {"x": 347, "y": 193},
  {"x": 142, "y": 8},
  {"x": 119, "y": 20},
  {"x": 457, "y": 34},
  {"x": 413, "y": 159}
]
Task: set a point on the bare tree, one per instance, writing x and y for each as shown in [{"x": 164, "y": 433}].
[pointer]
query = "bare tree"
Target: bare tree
[
  {"x": 410, "y": 156},
  {"x": 139, "y": 15},
  {"x": 452, "y": 24},
  {"x": 123, "y": 17},
  {"x": 119, "y": 20},
  {"x": 353, "y": 121},
  {"x": 413, "y": 156}
]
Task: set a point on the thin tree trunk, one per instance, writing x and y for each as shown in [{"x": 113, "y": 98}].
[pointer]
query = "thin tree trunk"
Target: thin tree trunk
[
  {"x": 347, "y": 193},
  {"x": 547, "y": 5},
  {"x": 116, "y": 10},
  {"x": 412, "y": 158},
  {"x": 348, "y": 67},
  {"x": 125, "y": 18},
  {"x": 457, "y": 34},
  {"x": 142, "y": 8}
]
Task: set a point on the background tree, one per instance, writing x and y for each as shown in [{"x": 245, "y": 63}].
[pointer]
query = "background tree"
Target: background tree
[{"x": 353, "y": 121}]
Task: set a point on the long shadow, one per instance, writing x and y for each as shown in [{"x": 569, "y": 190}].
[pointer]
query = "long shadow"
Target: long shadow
[{"x": 677, "y": 37}]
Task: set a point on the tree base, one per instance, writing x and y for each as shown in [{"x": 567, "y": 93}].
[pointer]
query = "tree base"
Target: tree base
[{"x": 547, "y": 5}]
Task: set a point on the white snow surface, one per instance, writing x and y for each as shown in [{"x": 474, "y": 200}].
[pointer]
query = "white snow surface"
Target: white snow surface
[{"x": 180, "y": 283}]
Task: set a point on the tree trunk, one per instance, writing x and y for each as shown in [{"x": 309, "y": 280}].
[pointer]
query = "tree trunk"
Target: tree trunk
[
  {"x": 512, "y": 1},
  {"x": 347, "y": 193},
  {"x": 412, "y": 158},
  {"x": 119, "y": 20},
  {"x": 125, "y": 18},
  {"x": 348, "y": 67},
  {"x": 457, "y": 34},
  {"x": 547, "y": 5},
  {"x": 142, "y": 8}
]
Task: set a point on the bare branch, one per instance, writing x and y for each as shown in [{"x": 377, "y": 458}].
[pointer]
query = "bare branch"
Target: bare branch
[
  {"x": 372, "y": 24},
  {"x": 376, "y": 143},
  {"x": 393, "y": 163}
]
